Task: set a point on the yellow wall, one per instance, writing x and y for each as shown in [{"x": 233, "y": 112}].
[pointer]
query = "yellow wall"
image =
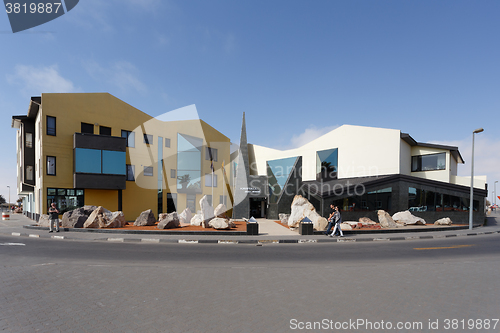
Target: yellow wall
[{"x": 104, "y": 109}]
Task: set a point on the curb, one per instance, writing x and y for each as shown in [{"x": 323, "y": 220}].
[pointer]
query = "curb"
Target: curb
[{"x": 258, "y": 242}]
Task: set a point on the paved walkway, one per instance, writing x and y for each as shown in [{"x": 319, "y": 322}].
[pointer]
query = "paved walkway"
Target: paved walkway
[{"x": 269, "y": 232}]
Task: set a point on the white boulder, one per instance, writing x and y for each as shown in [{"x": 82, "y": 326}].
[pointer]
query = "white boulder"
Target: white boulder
[
  {"x": 220, "y": 211},
  {"x": 386, "y": 220},
  {"x": 366, "y": 221},
  {"x": 407, "y": 218},
  {"x": 301, "y": 208},
  {"x": 219, "y": 223},
  {"x": 207, "y": 211},
  {"x": 185, "y": 217},
  {"x": 346, "y": 226},
  {"x": 444, "y": 221},
  {"x": 197, "y": 220}
]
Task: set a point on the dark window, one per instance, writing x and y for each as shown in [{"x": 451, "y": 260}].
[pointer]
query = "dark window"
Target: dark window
[
  {"x": 148, "y": 171},
  {"x": 167, "y": 142},
  {"x": 51, "y": 125},
  {"x": 51, "y": 165},
  {"x": 148, "y": 139},
  {"x": 65, "y": 199},
  {"x": 173, "y": 173},
  {"x": 428, "y": 162},
  {"x": 29, "y": 140},
  {"x": 130, "y": 136},
  {"x": 130, "y": 172},
  {"x": 87, "y": 128},
  {"x": 103, "y": 130},
  {"x": 211, "y": 154}
]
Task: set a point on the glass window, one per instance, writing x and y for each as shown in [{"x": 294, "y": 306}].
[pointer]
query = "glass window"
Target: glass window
[
  {"x": 51, "y": 165},
  {"x": 51, "y": 125},
  {"x": 148, "y": 139},
  {"x": 428, "y": 162},
  {"x": 148, "y": 171},
  {"x": 87, "y": 128},
  {"x": 130, "y": 136},
  {"x": 171, "y": 202},
  {"x": 130, "y": 172},
  {"x": 167, "y": 142},
  {"x": 208, "y": 180},
  {"x": 61, "y": 191},
  {"x": 103, "y": 130},
  {"x": 87, "y": 160},
  {"x": 29, "y": 172},
  {"x": 211, "y": 154},
  {"x": 29, "y": 140},
  {"x": 191, "y": 202},
  {"x": 278, "y": 172},
  {"x": 79, "y": 192},
  {"x": 173, "y": 173},
  {"x": 65, "y": 199},
  {"x": 223, "y": 200},
  {"x": 51, "y": 191},
  {"x": 70, "y": 192},
  {"x": 113, "y": 162},
  {"x": 189, "y": 163},
  {"x": 326, "y": 164}
]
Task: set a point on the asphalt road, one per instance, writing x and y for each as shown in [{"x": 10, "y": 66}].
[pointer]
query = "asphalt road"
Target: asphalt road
[{"x": 76, "y": 286}]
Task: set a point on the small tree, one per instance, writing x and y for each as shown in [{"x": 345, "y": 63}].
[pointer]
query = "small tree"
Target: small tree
[{"x": 2, "y": 199}]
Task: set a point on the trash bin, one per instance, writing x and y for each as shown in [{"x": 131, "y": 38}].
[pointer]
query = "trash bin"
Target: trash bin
[
  {"x": 252, "y": 227},
  {"x": 306, "y": 227}
]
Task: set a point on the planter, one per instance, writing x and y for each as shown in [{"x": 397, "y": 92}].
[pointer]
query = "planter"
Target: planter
[
  {"x": 306, "y": 228},
  {"x": 252, "y": 229}
]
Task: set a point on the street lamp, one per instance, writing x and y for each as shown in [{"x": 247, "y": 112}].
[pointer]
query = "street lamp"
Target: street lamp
[
  {"x": 9, "y": 197},
  {"x": 495, "y": 197},
  {"x": 471, "y": 207}
]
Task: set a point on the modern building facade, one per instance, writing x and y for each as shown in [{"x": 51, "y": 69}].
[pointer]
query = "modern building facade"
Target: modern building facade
[
  {"x": 364, "y": 169},
  {"x": 94, "y": 149}
]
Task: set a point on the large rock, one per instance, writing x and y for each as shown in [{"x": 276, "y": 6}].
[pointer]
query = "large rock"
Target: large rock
[
  {"x": 345, "y": 226},
  {"x": 367, "y": 221},
  {"x": 220, "y": 211},
  {"x": 219, "y": 223},
  {"x": 386, "y": 220},
  {"x": 444, "y": 221},
  {"x": 44, "y": 221},
  {"x": 197, "y": 220},
  {"x": 170, "y": 221},
  {"x": 407, "y": 218},
  {"x": 301, "y": 208},
  {"x": 284, "y": 218},
  {"x": 185, "y": 217},
  {"x": 147, "y": 218},
  {"x": 207, "y": 211},
  {"x": 77, "y": 217},
  {"x": 96, "y": 219},
  {"x": 115, "y": 220}
]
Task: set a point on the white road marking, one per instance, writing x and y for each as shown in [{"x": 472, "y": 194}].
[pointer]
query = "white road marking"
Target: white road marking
[{"x": 9, "y": 244}]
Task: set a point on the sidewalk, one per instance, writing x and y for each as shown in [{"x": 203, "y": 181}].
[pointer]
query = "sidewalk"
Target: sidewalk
[{"x": 270, "y": 232}]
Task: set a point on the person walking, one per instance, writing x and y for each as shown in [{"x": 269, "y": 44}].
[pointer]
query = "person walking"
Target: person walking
[
  {"x": 54, "y": 217},
  {"x": 338, "y": 220},
  {"x": 331, "y": 220}
]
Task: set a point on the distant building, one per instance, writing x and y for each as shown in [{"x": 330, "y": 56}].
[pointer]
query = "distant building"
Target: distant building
[{"x": 94, "y": 149}]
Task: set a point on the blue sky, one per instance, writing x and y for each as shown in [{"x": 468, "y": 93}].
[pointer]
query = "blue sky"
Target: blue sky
[{"x": 297, "y": 68}]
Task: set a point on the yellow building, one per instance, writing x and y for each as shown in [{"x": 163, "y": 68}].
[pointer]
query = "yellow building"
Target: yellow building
[{"x": 94, "y": 149}]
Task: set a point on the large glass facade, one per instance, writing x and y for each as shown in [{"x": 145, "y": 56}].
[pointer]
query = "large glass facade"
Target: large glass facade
[
  {"x": 189, "y": 163},
  {"x": 278, "y": 172},
  {"x": 65, "y": 199},
  {"x": 100, "y": 161},
  {"x": 326, "y": 164},
  {"x": 424, "y": 200}
]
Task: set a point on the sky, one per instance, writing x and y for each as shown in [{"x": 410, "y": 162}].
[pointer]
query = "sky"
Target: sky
[{"x": 298, "y": 69}]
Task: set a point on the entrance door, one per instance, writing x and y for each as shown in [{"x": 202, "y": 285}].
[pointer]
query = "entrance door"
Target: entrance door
[{"x": 258, "y": 207}]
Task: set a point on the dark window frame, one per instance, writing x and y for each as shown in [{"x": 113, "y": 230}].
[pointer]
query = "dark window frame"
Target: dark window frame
[
  {"x": 86, "y": 131},
  {"x": 127, "y": 136},
  {"x": 418, "y": 164},
  {"x": 55, "y": 166},
  {"x": 106, "y": 128},
  {"x": 211, "y": 154},
  {"x": 148, "y": 139},
  {"x": 51, "y": 131},
  {"x": 130, "y": 176},
  {"x": 167, "y": 142}
]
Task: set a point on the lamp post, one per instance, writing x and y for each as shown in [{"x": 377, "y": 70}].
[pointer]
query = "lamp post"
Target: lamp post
[
  {"x": 9, "y": 197},
  {"x": 495, "y": 197},
  {"x": 471, "y": 207}
]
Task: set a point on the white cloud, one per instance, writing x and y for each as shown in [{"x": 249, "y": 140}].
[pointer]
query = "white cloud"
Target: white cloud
[
  {"x": 121, "y": 74},
  {"x": 40, "y": 80},
  {"x": 309, "y": 134}
]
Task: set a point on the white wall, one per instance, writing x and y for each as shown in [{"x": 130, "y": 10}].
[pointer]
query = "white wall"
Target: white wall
[
  {"x": 439, "y": 175},
  {"x": 405, "y": 158},
  {"x": 362, "y": 151}
]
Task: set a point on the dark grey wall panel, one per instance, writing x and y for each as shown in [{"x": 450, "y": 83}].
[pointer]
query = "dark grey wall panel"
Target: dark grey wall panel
[{"x": 101, "y": 182}]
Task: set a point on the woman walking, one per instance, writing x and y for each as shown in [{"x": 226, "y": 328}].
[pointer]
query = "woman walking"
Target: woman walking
[{"x": 338, "y": 219}]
